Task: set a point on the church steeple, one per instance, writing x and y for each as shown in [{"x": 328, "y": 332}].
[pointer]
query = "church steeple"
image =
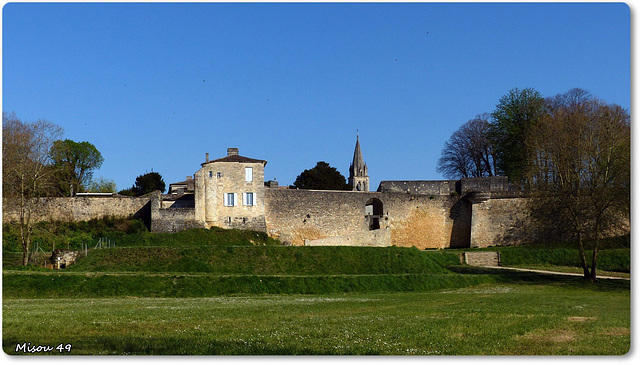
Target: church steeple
[{"x": 358, "y": 174}]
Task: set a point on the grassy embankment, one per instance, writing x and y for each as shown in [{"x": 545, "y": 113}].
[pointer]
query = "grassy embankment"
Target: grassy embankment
[
  {"x": 214, "y": 262},
  {"x": 160, "y": 294}
]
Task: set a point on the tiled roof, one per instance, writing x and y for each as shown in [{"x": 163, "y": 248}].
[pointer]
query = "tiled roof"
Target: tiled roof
[{"x": 238, "y": 158}]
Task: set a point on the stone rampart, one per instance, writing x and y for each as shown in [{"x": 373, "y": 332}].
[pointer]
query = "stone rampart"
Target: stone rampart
[
  {"x": 436, "y": 187},
  {"x": 294, "y": 216},
  {"x": 426, "y": 221},
  {"x": 422, "y": 221},
  {"x": 484, "y": 184},
  {"x": 171, "y": 219},
  {"x": 82, "y": 208},
  {"x": 498, "y": 222}
]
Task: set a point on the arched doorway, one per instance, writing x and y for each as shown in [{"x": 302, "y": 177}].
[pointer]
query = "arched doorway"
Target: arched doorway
[{"x": 374, "y": 211}]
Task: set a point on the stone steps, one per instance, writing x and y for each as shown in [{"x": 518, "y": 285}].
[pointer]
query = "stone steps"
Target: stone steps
[{"x": 481, "y": 258}]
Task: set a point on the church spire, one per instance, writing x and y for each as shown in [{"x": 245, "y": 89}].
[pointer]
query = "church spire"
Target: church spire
[
  {"x": 358, "y": 174},
  {"x": 358, "y": 164}
]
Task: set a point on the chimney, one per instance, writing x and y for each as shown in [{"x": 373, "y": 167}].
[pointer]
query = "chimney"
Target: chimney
[
  {"x": 232, "y": 152},
  {"x": 207, "y": 158},
  {"x": 189, "y": 178}
]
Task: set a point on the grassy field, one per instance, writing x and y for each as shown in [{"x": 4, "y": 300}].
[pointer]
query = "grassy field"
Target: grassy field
[
  {"x": 210, "y": 292},
  {"x": 520, "y": 318}
]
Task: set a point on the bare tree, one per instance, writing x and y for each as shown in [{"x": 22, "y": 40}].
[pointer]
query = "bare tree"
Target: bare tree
[
  {"x": 26, "y": 172},
  {"x": 468, "y": 153},
  {"x": 581, "y": 170}
]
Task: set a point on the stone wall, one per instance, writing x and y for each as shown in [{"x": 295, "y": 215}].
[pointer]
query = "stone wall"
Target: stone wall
[
  {"x": 488, "y": 258},
  {"x": 484, "y": 184},
  {"x": 498, "y": 222},
  {"x": 477, "y": 219},
  {"x": 298, "y": 215},
  {"x": 428, "y": 221},
  {"x": 375, "y": 238},
  {"x": 422, "y": 221},
  {"x": 172, "y": 219},
  {"x": 436, "y": 187},
  {"x": 82, "y": 208}
]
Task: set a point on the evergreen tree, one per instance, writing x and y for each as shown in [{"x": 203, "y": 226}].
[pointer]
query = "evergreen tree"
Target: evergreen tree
[{"x": 321, "y": 177}]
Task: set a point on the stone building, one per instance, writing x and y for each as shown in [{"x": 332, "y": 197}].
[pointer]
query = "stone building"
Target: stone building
[{"x": 229, "y": 192}]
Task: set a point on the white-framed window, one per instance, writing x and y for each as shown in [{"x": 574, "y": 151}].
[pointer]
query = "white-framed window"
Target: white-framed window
[
  {"x": 218, "y": 174},
  {"x": 210, "y": 174},
  {"x": 230, "y": 199},
  {"x": 248, "y": 199},
  {"x": 248, "y": 174}
]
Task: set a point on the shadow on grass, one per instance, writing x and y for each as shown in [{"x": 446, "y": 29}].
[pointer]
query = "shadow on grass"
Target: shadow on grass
[
  {"x": 523, "y": 277},
  {"x": 171, "y": 345}
]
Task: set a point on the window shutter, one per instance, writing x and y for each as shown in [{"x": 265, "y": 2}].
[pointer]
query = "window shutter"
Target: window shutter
[
  {"x": 255, "y": 199},
  {"x": 235, "y": 199}
]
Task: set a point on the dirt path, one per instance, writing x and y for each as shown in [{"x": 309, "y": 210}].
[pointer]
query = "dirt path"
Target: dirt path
[{"x": 553, "y": 272}]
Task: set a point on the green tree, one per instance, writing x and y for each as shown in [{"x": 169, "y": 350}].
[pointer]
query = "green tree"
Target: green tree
[
  {"x": 128, "y": 192},
  {"x": 101, "y": 185},
  {"x": 25, "y": 173},
  {"x": 75, "y": 162},
  {"x": 580, "y": 171},
  {"x": 321, "y": 177},
  {"x": 512, "y": 120},
  {"x": 145, "y": 184}
]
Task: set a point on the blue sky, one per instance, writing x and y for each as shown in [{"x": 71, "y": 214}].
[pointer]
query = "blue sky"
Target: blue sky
[{"x": 156, "y": 86}]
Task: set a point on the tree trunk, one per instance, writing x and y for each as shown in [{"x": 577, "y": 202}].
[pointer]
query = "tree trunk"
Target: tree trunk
[
  {"x": 24, "y": 226},
  {"x": 594, "y": 263},
  {"x": 594, "y": 260},
  {"x": 25, "y": 245},
  {"x": 583, "y": 259}
]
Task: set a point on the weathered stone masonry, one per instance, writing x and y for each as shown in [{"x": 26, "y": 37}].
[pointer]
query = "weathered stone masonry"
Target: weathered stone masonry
[
  {"x": 423, "y": 221},
  {"x": 82, "y": 208}
]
